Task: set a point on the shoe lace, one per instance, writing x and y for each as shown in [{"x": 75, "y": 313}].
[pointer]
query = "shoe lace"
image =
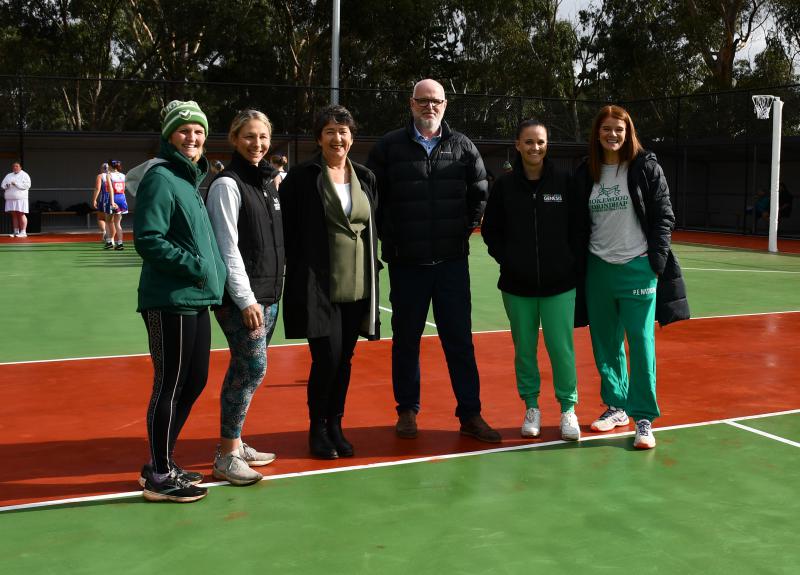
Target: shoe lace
[
  {"x": 530, "y": 415},
  {"x": 643, "y": 427},
  {"x": 609, "y": 413},
  {"x": 178, "y": 479}
]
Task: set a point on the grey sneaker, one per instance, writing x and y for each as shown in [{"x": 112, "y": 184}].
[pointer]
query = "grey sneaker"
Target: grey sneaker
[
  {"x": 233, "y": 469},
  {"x": 644, "y": 438},
  {"x": 570, "y": 430},
  {"x": 611, "y": 418},
  {"x": 255, "y": 458},
  {"x": 532, "y": 424}
]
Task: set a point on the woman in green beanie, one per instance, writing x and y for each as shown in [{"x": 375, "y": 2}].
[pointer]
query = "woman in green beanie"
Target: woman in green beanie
[{"x": 182, "y": 275}]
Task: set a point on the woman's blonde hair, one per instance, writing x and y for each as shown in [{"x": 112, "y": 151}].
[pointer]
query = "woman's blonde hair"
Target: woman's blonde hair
[
  {"x": 242, "y": 118},
  {"x": 630, "y": 147}
]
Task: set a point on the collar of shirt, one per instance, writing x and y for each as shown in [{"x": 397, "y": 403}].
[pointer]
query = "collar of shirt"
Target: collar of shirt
[{"x": 428, "y": 144}]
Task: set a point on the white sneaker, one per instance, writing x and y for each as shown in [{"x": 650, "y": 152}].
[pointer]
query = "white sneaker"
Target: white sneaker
[
  {"x": 255, "y": 458},
  {"x": 644, "y": 435},
  {"x": 22, "y": 235},
  {"x": 570, "y": 429},
  {"x": 532, "y": 424},
  {"x": 232, "y": 468},
  {"x": 611, "y": 418}
]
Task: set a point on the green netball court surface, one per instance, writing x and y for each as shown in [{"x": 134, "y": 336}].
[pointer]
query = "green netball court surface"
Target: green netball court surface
[{"x": 719, "y": 494}]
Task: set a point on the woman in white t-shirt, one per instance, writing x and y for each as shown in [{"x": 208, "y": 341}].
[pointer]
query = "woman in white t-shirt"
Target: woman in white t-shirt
[
  {"x": 629, "y": 222},
  {"x": 15, "y": 188}
]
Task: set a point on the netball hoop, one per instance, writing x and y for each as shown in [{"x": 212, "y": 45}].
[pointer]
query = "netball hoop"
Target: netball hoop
[{"x": 762, "y": 105}]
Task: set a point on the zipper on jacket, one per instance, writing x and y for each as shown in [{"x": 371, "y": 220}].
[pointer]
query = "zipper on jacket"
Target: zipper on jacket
[
  {"x": 207, "y": 224},
  {"x": 270, "y": 201},
  {"x": 536, "y": 237}
]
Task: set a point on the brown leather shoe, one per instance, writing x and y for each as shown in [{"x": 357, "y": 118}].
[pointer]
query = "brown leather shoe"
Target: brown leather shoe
[
  {"x": 476, "y": 427},
  {"x": 406, "y": 424}
]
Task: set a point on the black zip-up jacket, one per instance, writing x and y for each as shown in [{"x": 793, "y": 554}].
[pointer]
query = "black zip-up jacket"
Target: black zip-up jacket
[
  {"x": 260, "y": 227},
  {"x": 534, "y": 238},
  {"x": 428, "y": 205}
]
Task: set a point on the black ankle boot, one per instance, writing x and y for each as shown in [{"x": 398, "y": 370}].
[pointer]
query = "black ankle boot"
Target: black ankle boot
[
  {"x": 343, "y": 447},
  {"x": 319, "y": 443}
]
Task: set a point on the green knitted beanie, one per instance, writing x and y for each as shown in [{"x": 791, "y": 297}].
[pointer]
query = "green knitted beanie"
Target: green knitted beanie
[{"x": 178, "y": 113}]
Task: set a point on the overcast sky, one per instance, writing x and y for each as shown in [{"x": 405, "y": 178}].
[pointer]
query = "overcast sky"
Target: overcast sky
[{"x": 569, "y": 10}]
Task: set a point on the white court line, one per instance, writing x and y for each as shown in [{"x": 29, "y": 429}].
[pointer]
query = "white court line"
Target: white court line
[
  {"x": 129, "y": 494},
  {"x": 764, "y": 433},
  {"x": 360, "y": 341},
  {"x": 748, "y": 271},
  {"x": 433, "y": 325}
]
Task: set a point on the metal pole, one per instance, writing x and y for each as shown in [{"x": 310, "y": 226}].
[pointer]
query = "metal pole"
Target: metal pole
[
  {"x": 21, "y": 119},
  {"x": 777, "y": 113},
  {"x": 335, "y": 54}
]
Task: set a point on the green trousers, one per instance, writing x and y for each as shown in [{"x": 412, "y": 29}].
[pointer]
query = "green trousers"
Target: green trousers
[
  {"x": 556, "y": 315},
  {"x": 621, "y": 301}
]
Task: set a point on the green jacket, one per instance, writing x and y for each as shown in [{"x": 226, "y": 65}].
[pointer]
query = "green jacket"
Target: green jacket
[{"x": 182, "y": 271}]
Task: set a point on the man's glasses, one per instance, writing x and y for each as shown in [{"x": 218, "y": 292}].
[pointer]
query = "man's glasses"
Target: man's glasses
[{"x": 425, "y": 102}]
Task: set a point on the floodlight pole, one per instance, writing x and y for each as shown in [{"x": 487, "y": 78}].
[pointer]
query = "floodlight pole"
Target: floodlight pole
[
  {"x": 777, "y": 113},
  {"x": 335, "y": 54}
]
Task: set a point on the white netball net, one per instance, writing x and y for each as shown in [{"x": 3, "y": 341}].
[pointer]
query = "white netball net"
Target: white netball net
[{"x": 763, "y": 105}]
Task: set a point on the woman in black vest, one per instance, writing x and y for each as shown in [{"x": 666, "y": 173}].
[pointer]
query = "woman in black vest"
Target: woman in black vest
[
  {"x": 245, "y": 214},
  {"x": 331, "y": 271}
]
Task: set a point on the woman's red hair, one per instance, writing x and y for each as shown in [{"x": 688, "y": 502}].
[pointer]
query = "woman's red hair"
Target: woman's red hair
[{"x": 630, "y": 147}]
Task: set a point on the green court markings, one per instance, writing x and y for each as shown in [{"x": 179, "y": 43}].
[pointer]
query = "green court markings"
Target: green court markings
[
  {"x": 784, "y": 426},
  {"x": 708, "y": 499},
  {"x": 76, "y": 300}
]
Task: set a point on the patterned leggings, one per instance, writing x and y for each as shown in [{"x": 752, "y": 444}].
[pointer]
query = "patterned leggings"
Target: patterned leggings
[{"x": 248, "y": 364}]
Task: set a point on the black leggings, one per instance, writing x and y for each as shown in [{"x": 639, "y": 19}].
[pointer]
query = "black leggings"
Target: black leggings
[
  {"x": 330, "y": 361},
  {"x": 179, "y": 348}
]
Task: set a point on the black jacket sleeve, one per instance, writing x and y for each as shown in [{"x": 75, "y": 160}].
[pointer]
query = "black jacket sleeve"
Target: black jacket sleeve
[{"x": 492, "y": 225}]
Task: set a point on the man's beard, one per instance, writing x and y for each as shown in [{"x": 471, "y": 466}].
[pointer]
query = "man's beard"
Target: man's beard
[{"x": 430, "y": 125}]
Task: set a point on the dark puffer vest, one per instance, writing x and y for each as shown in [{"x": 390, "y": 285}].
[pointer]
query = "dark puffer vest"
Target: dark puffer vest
[{"x": 260, "y": 228}]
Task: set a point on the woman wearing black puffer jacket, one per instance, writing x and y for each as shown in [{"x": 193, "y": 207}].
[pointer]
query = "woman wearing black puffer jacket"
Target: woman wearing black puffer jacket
[
  {"x": 632, "y": 277},
  {"x": 531, "y": 228}
]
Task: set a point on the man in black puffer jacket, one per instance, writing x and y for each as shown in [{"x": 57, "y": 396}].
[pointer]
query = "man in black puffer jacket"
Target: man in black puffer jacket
[{"x": 431, "y": 193}]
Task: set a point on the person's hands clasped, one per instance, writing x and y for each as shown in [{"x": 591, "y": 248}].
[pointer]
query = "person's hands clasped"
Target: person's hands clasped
[{"x": 253, "y": 316}]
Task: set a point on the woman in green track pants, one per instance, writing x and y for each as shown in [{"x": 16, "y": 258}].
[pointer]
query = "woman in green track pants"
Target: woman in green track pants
[
  {"x": 530, "y": 229},
  {"x": 628, "y": 226}
]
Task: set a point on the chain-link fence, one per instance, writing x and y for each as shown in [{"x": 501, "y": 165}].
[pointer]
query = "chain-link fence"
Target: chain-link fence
[{"x": 715, "y": 152}]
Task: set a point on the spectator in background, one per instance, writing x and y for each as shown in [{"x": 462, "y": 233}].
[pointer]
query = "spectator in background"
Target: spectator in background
[
  {"x": 431, "y": 193},
  {"x": 118, "y": 205},
  {"x": 98, "y": 196},
  {"x": 15, "y": 188},
  {"x": 761, "y": 206},
  {"x": 279, "y": 162}
]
